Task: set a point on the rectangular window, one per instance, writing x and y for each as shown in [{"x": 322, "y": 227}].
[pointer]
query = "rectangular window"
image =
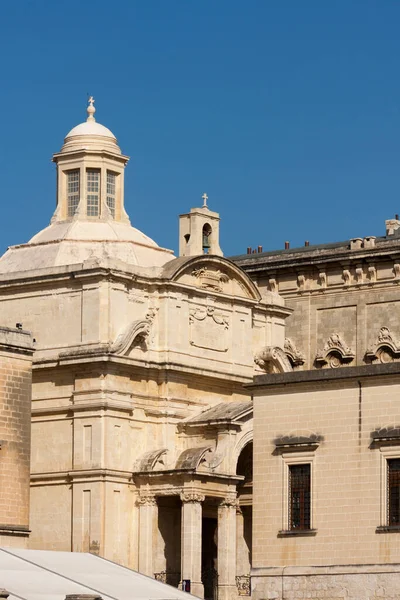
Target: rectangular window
[
  {"x": 393, "y": 491},
  {"x": 111, "y": 177},
  {"x": 299, "y": 497},
  {"x": 93, "y": 192},
  {"x": 72, "y": 192}
]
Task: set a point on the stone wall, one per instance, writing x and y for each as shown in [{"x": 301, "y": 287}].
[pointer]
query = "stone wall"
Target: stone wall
[
  {"x": 350, "y": 582},
  {"x": 345, "y": 424},
  {"x": 16, "y": 350},
  {"x": 349, "y": 289}
]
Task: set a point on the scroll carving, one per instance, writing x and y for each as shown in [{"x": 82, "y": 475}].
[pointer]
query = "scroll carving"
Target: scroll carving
[
  {"x": 193, "y": 497},
  {"x": 208, "y": 329},
  {"x": 230, "y": 501},
  {"x": 386, "y": 348},
  {"x": 135, "y": 333},
  {"x": 273, "y": 359},
  {"x": 335, "y": 352},
  {"x": 243, "y": 585},
  {"x": 147, "y": 500},
  {"x": 209, "y": 279},
  {"x": 294, "y": 355}
]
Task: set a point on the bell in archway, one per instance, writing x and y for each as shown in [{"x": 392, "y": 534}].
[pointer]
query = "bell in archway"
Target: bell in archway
[{"x": 206, "y": 240}]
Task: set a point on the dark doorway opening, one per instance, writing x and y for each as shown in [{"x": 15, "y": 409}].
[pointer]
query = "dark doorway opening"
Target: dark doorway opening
[
  {"x": 209, "y": 560},
  {"x": 169, "y": 525}
]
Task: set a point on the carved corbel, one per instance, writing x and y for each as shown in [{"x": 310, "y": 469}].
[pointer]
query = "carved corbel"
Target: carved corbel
[
  {"x": 323, "y": 282},
  {"x": 359, "y": 275},
  {"x": 273, "y": 285},
  {"x": 273, "y": 359},
  {"x": 346, "y": 277},
  {"x": 301, "y": 282},
  {"x": 372, "y": 273},
  {"x": 335, "y": 352}
]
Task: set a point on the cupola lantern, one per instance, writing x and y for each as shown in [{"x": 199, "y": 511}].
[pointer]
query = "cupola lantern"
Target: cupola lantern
[{"x": 90, "y": 174}]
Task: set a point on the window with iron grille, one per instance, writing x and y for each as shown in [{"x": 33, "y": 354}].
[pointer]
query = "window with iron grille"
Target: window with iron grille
[
  {"x": 393, "y": 491},
  {"x": 93, "y": 192},
  {"x": 111, "y": 177},
  {"x": 72, "y": 192},
  {"x": 299, "y": 497}
]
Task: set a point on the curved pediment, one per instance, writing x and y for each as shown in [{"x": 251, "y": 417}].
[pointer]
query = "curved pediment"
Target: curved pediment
[{"x": 211, "y": 273}]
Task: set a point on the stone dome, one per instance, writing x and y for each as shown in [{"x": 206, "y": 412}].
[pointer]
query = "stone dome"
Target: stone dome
[
  {"x": 90, "y": 222},
  {"x": 90, "y": 128},
  {"x": 67, "y": 243},
  {"x": 90, "y": 135}
]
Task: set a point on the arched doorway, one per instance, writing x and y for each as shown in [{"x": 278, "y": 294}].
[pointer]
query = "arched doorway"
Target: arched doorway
[{"x": 244, "y": 519}]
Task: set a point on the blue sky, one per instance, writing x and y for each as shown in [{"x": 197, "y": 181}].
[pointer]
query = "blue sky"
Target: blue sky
[{"x": 287, "y": 113}]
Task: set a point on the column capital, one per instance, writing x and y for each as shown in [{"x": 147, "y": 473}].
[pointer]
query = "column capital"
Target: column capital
[
  {"x": 147, "y": 500},
  {"x": 192, "y": 497},
  {"x": 230, "y": 501}
]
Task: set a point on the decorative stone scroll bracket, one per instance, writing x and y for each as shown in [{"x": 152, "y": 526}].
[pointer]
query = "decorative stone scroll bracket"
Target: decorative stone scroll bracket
[
  {"x": 385, "y": 349},
  {"x": 273, "y": 359},
  {"x": 335, "y": 352},
  {"x": 135, "y": 333},
  {"x": 295, "y": 356}
]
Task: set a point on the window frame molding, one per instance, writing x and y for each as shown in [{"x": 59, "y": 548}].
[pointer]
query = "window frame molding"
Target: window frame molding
[
  {"x": 386, "y": 453},
  {"x": 305, "y": 457}
]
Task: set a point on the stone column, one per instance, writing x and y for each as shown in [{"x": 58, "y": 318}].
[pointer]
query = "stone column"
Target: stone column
[
  {"x": 147, "y": 522},
  {"x": 227, "y": 548},
  {"x": 191, "y": 541}
]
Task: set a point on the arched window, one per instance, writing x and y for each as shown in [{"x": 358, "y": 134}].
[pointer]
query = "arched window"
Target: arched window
[{"x": 206, "y": 238}]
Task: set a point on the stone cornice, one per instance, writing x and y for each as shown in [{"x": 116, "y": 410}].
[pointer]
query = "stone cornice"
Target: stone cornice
[
  {"x": 57, "y": 477},
  {"x": 316, "y": 255},
  {"x": 329, "y": 375},
  {"x": 103, "y": 357}
]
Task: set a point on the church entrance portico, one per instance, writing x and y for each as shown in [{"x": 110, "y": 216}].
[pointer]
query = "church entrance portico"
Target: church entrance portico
[{"x": 189, "y": 537}]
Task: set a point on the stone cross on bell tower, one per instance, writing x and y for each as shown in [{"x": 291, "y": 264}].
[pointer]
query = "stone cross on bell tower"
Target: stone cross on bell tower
[{"x": 199, "y": 231}]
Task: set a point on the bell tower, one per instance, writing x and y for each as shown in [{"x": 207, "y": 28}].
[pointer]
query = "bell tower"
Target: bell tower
[{"x": 199, "y": 231}]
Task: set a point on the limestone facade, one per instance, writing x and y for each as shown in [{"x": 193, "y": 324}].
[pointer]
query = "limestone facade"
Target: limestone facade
[
  {"x": 349, "y": 290},
  {"x": 332, "y": 412},
  {"x": 16, "y": 350},
  {"x": 141, "y": 426},
  {"x": 143, "y": 379}
]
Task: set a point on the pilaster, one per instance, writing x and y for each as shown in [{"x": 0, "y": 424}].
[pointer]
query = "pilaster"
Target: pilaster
[
  {"x": 227, "y": 548},
  {"x": 191, "y": 541},
  {"x": 148, "y": 512}
]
